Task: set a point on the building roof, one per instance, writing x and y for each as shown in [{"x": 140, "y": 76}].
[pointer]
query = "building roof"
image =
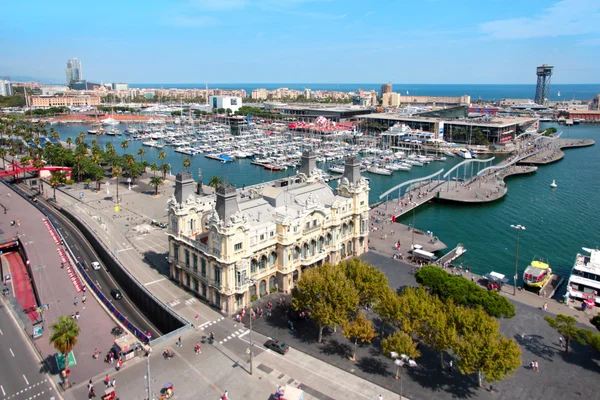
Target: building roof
[{"x": 492, "y": 122}]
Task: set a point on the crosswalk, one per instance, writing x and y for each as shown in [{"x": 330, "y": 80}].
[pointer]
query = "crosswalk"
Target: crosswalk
[
  {"x": 238, "y": 333},
  {"x": 188, "y": 302},
  {"x": 191, "y": 301}
]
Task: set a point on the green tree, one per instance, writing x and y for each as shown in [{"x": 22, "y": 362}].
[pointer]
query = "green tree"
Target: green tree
[
  {"x": 57, "y": 179},
  {"x": 165, "y": 169},
  {"x": 215, "y": 181},
  {"x": 401, "y": 343},
  {"x": 156, "y": 181},
  {"x": 565, "y": 326},
  {"x": 117, "y": 170},
  {"x": 2, "y": 155},
  {"x": 124, "y": 145},
  {"x": 327, "y": 294},
  {"x": 464, "y": 292},
  {"x": 69, "y": 141},
  {"x": 429, "y": 318},
  {"x": 388, "y": 308},
  {"x": 368, "y": 280},
  {"x": 154, "y": 168},
  {"x": 481, "y": 348},
  {"x": 161, "y": 156},
  {"x": 64, "y": 336},
  {"x": 141, "y": 152},
  {"x": 360, "y": 329},
  {"x": 186, "y": 163}
]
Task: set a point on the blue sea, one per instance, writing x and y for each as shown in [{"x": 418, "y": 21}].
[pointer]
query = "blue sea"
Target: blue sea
[{"x": 483, "y": 92}]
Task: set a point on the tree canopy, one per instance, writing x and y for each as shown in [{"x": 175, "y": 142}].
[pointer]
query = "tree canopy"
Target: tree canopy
[{"x": 464, "y": 292}]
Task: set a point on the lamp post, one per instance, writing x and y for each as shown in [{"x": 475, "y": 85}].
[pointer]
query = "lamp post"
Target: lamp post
[
  {"x": 414, "y": 204},
  {"x": 519, "y": 228},
  {"x": 250, "y": 352},
  {"x": 400, "y": 362},
  {"x": 39, "y": 268}
]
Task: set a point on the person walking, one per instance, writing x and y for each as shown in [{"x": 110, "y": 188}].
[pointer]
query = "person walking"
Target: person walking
[
  {"x": 179, "y": 342},
  {"x": 560, "y": 340},
  {"x": 96, "y": 353},
  {"x": 90, "y": 386},
  {"x": 113, "y": 383},
  {"x": 107, "y": 381},
  {"x": 198, "y": 349},
  {"x": 76, "y": 300},
  {"x": 83, "y": 299}
]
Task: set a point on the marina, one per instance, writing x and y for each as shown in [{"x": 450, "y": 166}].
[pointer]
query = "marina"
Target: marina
[{"x": 446, "y": 221}]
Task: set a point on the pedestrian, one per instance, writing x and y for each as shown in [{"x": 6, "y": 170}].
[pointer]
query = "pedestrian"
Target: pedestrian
[
  {"x": 179, "y": 342},
  {"x": 92, "y": 393},
  {"x": 90, "y": 386},
  {"x": 18, "y": 223},
  {"x": 83, "y": 299},
  {"x": 226, "y": 395},
  {"x": 107, "y": 380},
  {"x": 114, "y": 382},
  {"x": 380, "y": 397},
  {"x": 198, "y": 348},
  {"x": 119, "y": 364},
  {"x": 112, "y": 357},
  {"x": 560, "y": 340},
  {"x": 76, "y": 300},
  {"x": 545, "y": 307},
  {"x": 450, "y": 364}
]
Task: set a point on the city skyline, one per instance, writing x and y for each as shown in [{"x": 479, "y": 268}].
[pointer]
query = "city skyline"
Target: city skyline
[{"x": 296, "y": 41}]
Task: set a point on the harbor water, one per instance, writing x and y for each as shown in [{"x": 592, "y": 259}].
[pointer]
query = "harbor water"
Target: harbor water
[{"x": 559, "y": 221}]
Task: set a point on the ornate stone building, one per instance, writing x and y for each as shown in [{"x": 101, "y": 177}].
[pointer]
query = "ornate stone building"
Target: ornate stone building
[{"x": 237, "y": 245}]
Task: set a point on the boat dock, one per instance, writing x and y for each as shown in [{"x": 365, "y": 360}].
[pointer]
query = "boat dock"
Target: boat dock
[{"x": 458, "y": 251}]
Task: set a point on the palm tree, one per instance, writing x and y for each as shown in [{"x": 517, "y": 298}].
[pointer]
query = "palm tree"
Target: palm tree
[
  {"x": 117, "y": 170},
  {"x": 69, "y": 141},
  {"x": 141, "y": 153},
  {"x": 2, "y": 155},
  {"x": 215, "y": 181},
  {"x": 124, "y": 145},
  {"x": 162, "y": 155},
  {"x": 156, "y": 182},
  {"x": 186, "y": 163},
  {"x": 165, "y": 168},
  {"x": 154, "y": 168},
  {"x": 56, "y": 180},
  {"x": 64, "y": 337}
]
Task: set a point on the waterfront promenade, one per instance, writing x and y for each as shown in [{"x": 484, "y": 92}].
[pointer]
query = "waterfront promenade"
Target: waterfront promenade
[{"x": 554, "y": 153}]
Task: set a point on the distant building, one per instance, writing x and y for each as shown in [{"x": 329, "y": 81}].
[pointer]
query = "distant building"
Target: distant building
[
  {"x": 595, "y": 103},
  {"x": 52, "y": 90},
  {"x": 259, "y": 94},
  {"x": 235, "y": 246},
  {"x": 5, "y": 88},
  {"x": 233, "y": 103},
  {"x": 386, "y": 88},
  {"x": 307, "y": 94},
  {"x": 391, "y": 99},
  {"x": 64, "y": 100},
  {"x": 74, "y": 72}
]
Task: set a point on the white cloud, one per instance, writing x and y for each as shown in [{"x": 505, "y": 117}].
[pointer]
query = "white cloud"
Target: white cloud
[
  {"x": 369, "y": 13},
  {"x": 564, "y": 18}
]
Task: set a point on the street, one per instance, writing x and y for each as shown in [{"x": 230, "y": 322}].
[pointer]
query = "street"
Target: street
[{"x": 21, "y": 372}]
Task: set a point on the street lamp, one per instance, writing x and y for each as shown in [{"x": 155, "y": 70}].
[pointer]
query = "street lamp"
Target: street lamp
[
  {"x": 401, "y": 361},
  {"x": 519, "y": 228},
  {"x": 39, "y": 268},
  {"x": 250, "y": 352},
  {"x": 414, "y": 204}
]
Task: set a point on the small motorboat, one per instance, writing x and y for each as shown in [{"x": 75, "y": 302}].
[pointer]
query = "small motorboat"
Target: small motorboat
[{"x": 553, "y": 184}]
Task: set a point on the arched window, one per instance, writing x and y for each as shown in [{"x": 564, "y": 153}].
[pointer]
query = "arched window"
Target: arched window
[
  {"x": 343, "y": 251},
  {"x": 313, "y": 246},
  {"x": 263, "y": 262},
  {"x": 296, "y": 252},
  {"x": 321, "y": 243},
  {"x": 263, "y": 287},
  {"x": 344, "y": 229},
  {"x": 272, "y": 258},
  {"x": 252, "y": 291},
  {"x": 350, "y": 227},
  {"x": 253, "y": 265},
  {"x": 271, "y": 283},
  {"x": 305, "y": 250},
  {"x": 349, "y": 248},
  {"x": 328, "y": 239}
]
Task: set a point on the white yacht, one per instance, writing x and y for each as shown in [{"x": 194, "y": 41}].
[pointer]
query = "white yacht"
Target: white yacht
[
  {"x": 464, "y": 153},
  {"x": 338, "y": 169},
  {"x": 110, "y": 121},
  {"x": 379, "y": 171},
  {"x": 449, "y": 153},
  {"x": 584, "y": 282}
]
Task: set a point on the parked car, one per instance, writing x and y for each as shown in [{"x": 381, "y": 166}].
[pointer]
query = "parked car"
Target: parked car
[
  {"x": 277, "y": 346},
  {"x": 116, "y": 293},
  {"x": 96, "y": 265}
]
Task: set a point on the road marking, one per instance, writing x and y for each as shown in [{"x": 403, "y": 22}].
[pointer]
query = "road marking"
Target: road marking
[
  {"x": 156, "y": 281},
  {"x": 3, "y": 392},
  {"x": 244, "y": 334},
  {"x": 26, "y": 381},
  {"x": 11, "y": 352},
  {"x": 1, "y": 333}
]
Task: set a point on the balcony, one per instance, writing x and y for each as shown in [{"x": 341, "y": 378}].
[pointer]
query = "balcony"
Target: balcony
[
  {"x": 312, "y": 229},
  {"x": 241, "y": 288}
]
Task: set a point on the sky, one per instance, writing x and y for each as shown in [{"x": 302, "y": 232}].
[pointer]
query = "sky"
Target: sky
[{"x": 302, "y": 41}]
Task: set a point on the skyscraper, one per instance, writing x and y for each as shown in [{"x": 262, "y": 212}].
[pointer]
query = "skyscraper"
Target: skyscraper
[
  {"x": 74, "y": 73},
  {"x": 386, "y": 88}
]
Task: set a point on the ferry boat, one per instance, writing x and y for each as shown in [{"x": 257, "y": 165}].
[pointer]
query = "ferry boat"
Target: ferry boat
[
  {"x": 584, "y": 282},
  {"x": 537, "y": 274}
]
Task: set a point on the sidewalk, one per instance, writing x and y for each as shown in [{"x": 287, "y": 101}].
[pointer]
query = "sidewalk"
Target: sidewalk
[{"x": 56, "y": 289}]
